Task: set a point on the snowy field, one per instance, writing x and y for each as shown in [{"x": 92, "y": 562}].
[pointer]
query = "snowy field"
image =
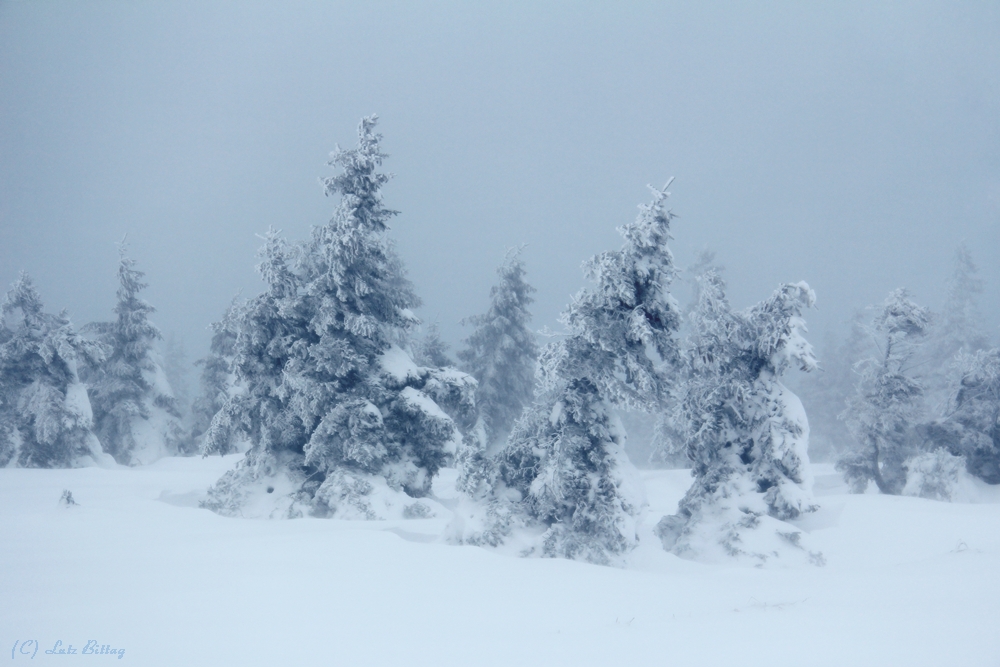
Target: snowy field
[{"x": 136, "y": 565}]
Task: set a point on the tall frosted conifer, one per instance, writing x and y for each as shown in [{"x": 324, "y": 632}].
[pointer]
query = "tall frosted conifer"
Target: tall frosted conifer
[
  {"x": 958, "y": 329},
  {"x": 888, "y": 401},
  {"x": 340, "y": 419},
  {"x": 217, "y": 380},
  {"x": 825, "y": 394},
  {"x": 564, "y": 471},
  {"x": 177, "y": 368},
  {"x": 45, "y": 415},
  {"x": 501, "y": 353},
  {"x": 135, "y": 413},
  {"x": 669, "y": 439}
]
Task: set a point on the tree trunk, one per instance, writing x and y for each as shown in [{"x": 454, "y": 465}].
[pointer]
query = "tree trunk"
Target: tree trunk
[{"x": 880, "y": 482}]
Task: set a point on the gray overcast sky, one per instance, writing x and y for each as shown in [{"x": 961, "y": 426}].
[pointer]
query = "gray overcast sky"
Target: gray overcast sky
[{"x": 849, "y": 145}]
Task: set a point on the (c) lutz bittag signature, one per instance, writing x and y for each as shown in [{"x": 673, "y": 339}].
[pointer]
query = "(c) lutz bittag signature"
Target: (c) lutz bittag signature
[{"x": 29, "y": 648}]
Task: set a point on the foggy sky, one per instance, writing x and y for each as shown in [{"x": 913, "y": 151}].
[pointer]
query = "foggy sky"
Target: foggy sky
[{"x": 850, "y": 146}]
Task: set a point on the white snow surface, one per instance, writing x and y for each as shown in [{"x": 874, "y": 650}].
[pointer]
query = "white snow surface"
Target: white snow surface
[
  {"x": 423, "y": 402},
  {"x": 138, "y": 566}
]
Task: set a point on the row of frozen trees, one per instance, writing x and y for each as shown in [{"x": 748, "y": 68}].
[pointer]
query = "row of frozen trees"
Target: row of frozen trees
[
  {"x": 342, "y": 411},
  {"x": 68, "y": 398},
  {"x": 911, "y": 400},
  {"x": 346, "y": 415}
]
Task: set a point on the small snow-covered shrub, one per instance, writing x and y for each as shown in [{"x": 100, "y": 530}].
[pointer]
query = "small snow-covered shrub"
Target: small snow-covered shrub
[
  {"x": 568, "y": 467},
  {"x": 937, "y": 475},
  {"x": 971, "y": 427}
]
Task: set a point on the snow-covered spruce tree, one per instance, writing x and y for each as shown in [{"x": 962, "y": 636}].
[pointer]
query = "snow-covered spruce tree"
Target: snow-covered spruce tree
[
  {"x": 563, "y": 486},
  {"x": 45, "y": 415},
  {"x": 748, "y": 434},
  {"x": 971, "y": 428},
  {"x": 958, "y": 328},
  {"x": 217, "y": 381},
  {"x": 501, "y": 353},
  {"x": 430, "y": 350},
  {"x": 692, "y": 276},
  {"x": 669, "y": 441},
  {"x": 341, "y": 422},
  {"x": 135, "y": 413},
  {"x": 177, "y": 368},
  {"x": 826, "y": 392},
  {"x": 887, "y": 404}
]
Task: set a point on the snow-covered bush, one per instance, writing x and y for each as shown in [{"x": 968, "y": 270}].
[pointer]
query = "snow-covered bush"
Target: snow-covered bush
[
  {"x": 501, "y": 352},
  {"x": 45, "y": 414},
  {"x": 971, "y": 427},
  {"x": 567, "y": 464},
  {"x": 562, "y": 485},
  {"x": 135, "y": 414},
  {"x": 887, "y": 405},
  {"x": 937, "y": 475},
  {"x": 748, "y": 434},
  {"x": 340, "y": 420}
]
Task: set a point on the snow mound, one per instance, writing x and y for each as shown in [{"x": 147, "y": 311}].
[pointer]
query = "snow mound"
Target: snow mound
[
  {"x": 399, "y": 365},
  {"x": 269, "y": 487}
]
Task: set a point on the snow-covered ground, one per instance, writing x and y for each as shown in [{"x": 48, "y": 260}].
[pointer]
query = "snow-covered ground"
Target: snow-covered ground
[{"x": 136, "y": 565}]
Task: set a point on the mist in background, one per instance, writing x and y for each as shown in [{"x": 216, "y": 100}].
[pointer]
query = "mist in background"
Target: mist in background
[{"x": 850, "y": 146}]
